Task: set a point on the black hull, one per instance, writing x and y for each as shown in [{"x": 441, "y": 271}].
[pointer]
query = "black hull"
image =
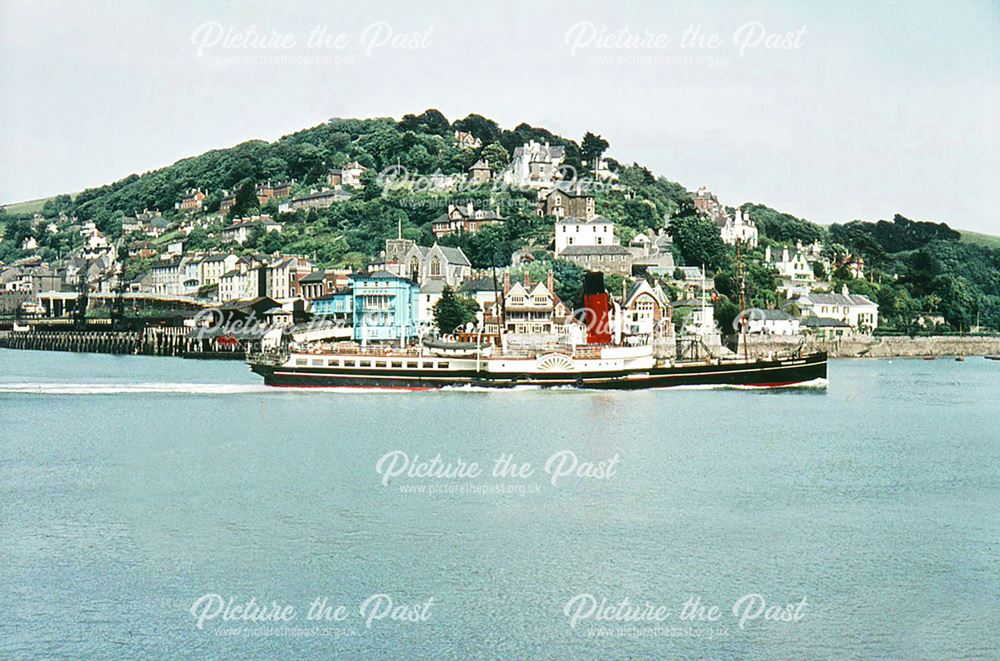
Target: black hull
[{"x": 772, "y": 373}]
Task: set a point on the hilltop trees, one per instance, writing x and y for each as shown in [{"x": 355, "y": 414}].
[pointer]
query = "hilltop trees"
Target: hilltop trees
[
  {"x": 485, "y": 129},
  {"x": 591, "y": 148},
  {"x": 783, "y": 227},
  {"x": 429, "y": 121}
]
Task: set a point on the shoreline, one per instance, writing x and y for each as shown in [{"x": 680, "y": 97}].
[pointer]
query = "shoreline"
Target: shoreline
[
  {"x": 887, "y": 346},
  {"x": 176, "y": 346}
]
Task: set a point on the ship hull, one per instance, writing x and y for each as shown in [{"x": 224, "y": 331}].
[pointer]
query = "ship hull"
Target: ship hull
[{"x": 771, "y": 373}]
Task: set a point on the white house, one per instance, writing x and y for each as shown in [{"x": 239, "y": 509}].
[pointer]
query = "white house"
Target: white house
[
  {"x": 166, "y": 276},
  {"x": 576, "y": 232},
  {"x": 534, "y": 165},
  {"x": 645, "y": 306},
  {"x": 240, "y": 230},
  {"x": 427, "y": 298},
  {"x": 858, "y": 312},
  {"x": 795, "y": 271},
  {"x": 190, "y": 274},
  {"x": 771, "y": 322},
  {"x": 213, "y": 267},
  {"x": 739, "y": 228},
  {"x": 234, "y": 285},
  {"x": 466, "y": 140},
  {"x": 349, "y": 175}
]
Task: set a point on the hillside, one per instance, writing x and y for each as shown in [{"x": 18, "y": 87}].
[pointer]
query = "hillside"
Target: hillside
[
  {"x": 978, "y": 238},
  {"x": 26, "y": 207},
  {"x": 911, "y": 267}
]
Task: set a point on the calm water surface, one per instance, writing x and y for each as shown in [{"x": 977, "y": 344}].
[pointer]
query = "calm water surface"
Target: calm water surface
[{"x": 130, "y": 487}]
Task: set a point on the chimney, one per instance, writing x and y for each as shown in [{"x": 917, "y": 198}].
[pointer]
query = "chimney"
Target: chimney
[
  {"x": 527, "y": 279},
  {"x": 597, "y": 307},
  {"x": 843, "y": 290},
  {"x": 549, "y": 283},
  {"x": 506, "y": 281}
]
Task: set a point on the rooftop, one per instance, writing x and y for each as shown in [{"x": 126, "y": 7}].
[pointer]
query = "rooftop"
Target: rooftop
[
  {"x": 838, "y": 299},
  {"x": 570, "y": 220},
  {"x": 580, "y": 251}
]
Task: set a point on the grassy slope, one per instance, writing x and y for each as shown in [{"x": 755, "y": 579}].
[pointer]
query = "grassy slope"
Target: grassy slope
[
  {"x": 29, "y": 206},
  {"x": 989, "y": 240}
]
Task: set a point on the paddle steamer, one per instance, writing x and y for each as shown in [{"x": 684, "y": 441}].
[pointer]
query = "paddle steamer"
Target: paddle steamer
[{"x": 596, "y": 364}]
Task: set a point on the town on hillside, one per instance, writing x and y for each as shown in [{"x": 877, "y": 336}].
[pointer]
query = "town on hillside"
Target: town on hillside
[{"x": 464, "y": 266}]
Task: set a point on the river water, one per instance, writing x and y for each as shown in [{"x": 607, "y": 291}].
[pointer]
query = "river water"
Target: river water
[{"x": 144, "y": 501}]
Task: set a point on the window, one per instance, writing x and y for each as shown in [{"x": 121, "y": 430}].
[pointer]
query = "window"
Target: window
[
  {"x": 366, "y": 363},
  {"x": 435, "y": 266},
  {"x": 397, "y": 363},
  {"x": 443, "y": 365},
  {"x": 300, "y": 362},
  {"x": 380, "y": 363},
  {"x": 411, "y": 364}
]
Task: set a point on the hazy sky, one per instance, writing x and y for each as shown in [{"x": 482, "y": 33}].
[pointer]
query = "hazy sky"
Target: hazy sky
[{"x": 874, "y": 108}]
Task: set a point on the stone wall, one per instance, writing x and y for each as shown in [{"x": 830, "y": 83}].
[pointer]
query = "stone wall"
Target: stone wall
[{"x": 883, "y": 347}]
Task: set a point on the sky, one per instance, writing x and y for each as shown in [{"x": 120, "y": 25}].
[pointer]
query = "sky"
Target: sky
[{"x": 832, "y": 111}]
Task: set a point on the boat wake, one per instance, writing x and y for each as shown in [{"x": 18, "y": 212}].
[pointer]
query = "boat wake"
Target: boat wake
[
  {"x": 132, "y": 388},
  {"x": 812, "y": 384}
]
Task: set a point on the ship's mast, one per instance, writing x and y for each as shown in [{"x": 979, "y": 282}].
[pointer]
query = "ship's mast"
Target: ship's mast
[
  {"x": 742, "y": 285},
  {"x": 499, "y": 296}
]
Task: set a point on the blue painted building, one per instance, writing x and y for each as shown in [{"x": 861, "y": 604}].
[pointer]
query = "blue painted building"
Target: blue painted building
[
  {"x": 384, "y": 307},
  {"x": 339, "y": 305}
]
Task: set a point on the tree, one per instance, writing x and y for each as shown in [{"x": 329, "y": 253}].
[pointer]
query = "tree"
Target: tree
[
  {"x": 497, "y": 157},
  {"x": 485, "y": 129},
  {"x": 783, "y": 227},
  {"x": 57, "y": 205},
  {"x": 450, "y": 312},
  {"x": 568, "y": 283},
  {"x": 591, "y": 149},
  {"x": 246, "y": 198},
  {"x": 369, "y": 184},
  {"x": 429, "y": 121},
  {"x": 699, "y": 242}
]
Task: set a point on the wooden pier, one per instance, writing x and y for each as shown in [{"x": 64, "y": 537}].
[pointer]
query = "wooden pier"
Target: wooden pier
[{"x": 146, "y": 342}]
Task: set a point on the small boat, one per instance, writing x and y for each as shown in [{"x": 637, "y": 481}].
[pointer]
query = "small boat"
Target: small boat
[
  {"x": 959, "y": 359},
  {"x": 929, "y": 358},
  {"x": 992, "y": 357}
]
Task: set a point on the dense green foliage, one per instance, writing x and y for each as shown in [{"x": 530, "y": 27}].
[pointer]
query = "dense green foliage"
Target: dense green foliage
[
  {"x": 452, "y": 312},
  {"x": 698, "y": 241},
  {"x": 911, "y": 267},
  {"x": 783, "y": 227}
]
